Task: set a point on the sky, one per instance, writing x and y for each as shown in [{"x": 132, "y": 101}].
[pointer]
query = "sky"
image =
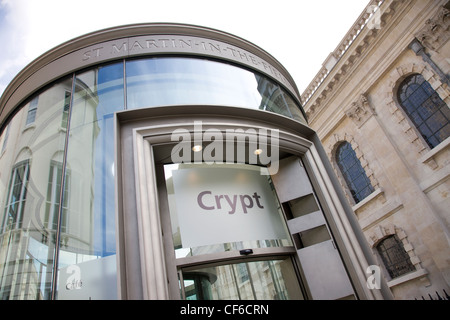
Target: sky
[{"x": 300, "y": 34}]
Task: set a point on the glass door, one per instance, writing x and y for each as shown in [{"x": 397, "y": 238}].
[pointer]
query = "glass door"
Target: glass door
[
  {"x": 229, "y": 234},
  {"x": 255, "y": 280}
]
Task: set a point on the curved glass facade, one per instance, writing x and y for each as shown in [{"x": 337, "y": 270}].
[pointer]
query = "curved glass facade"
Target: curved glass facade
[
  {"x": 179, "y": 81},
  {"x": 57, "y": 182}
]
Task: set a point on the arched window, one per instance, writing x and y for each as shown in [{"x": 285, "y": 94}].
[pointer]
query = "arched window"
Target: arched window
[
  {"x": 353, "y": 173},
  {"x": 394, "y": 257},
  {"x": 425, "y": 108}
]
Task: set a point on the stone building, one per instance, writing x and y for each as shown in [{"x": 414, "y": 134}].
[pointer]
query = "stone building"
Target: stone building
[{"x": 380, "y": 106}]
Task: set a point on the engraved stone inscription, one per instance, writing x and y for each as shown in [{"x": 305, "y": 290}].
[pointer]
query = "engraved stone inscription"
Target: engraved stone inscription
[{"x": 179, "y": 44}]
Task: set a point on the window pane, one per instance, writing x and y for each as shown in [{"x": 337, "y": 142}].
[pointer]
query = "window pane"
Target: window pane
[
  {"x": 416, "y": 119},
  {"x": 172, "y": 81},
  {"x": 418, "y": 97},
  {"x": 443, "y": 133},
  {"x": 88, "y": 239}
]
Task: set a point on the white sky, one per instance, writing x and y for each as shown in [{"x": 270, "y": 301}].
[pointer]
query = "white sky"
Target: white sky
[{"x": 298, "y": 33}]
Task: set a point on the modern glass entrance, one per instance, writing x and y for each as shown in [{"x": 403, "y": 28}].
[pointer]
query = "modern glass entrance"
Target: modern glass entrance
[{"x": 229, "y": 232}]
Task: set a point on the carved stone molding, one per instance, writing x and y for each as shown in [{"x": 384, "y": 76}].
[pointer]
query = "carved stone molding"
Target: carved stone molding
[
  {"x": 360, "y": 111},
  {"x": 436, "y": 31},
  {"x": 349, "y": 52}
]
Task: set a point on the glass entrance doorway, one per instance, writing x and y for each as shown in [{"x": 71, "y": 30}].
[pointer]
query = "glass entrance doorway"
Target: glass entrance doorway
[
  {"x": 229, "y": 234},
  {"x": 256, "y": 280}
]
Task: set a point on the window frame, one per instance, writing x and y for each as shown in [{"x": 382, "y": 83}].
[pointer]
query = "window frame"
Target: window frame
[
  {"x": 434, "y": 100},
  {"x": 32, "y": 111},
  {"x": 21, "y": 200},
  {"x": 350, "y": 183},
  {"x": 52, "y": 202},
  {"x": 390, "y": 266}
]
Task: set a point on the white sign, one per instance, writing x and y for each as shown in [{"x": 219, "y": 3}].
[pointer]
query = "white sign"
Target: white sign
[{"x": 220, "y": 204}]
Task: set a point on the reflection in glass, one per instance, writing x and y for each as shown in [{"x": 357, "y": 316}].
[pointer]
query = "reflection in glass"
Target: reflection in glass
[
  {"x": 36, "y": 137},
  {"x": 182, "y": 81},
  {"x": 47, "y": 186},
  {"x": 258, "y": 280},
  {"x": 89, "y": 229},
  {"x": 16, "y": 197}
]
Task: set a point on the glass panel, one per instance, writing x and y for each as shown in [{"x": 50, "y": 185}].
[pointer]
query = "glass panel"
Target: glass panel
[
  {"x": 88, "y": 237},
  {"x": 182, "y": 81},
  {"x": 260, "y": 280},
  {"x": 172, "y": 81},
  {"x": 27, "y": 239},
  {"x": 294, "y": 110},
  {"x": 443, "y": 133},
  {"x": 217, "y": 208}
]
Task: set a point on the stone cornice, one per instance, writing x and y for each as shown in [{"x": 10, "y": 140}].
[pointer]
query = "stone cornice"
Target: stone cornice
[
  {"x": 357, "y": 45},
  {"x": 322, "y": 90},
  {"x": 359, "y": 27}
]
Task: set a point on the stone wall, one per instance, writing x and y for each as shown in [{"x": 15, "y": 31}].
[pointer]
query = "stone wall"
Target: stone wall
[{"x": 353, "y": 99}]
